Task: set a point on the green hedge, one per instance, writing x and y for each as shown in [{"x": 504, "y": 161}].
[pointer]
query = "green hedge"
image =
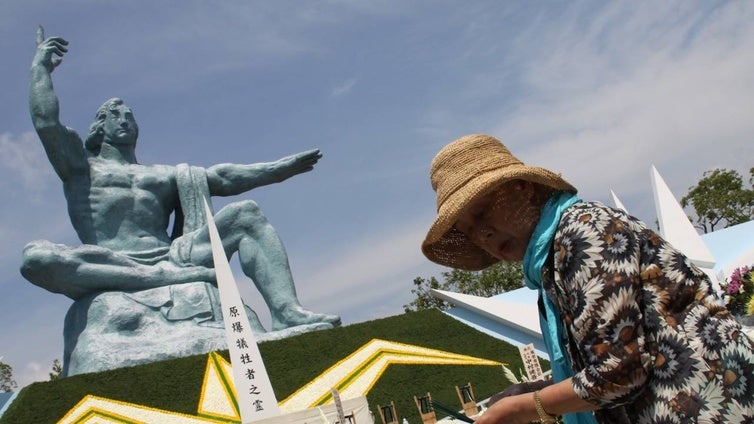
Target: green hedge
[{"x": 175, "y": 385}]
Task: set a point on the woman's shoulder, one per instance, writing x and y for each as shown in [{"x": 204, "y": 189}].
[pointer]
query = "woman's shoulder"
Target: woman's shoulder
[
  {"x": 598, "y": 214},
  {"x": 593, "y": 210}
]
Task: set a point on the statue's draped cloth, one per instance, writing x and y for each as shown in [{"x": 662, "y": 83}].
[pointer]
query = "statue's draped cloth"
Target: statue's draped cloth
[{"x": 197, "y": 300}]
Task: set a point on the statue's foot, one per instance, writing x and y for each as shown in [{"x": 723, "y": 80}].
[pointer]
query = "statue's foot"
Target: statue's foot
[
  {"x": 292, "y": 331},
  {"x": 297, "y": 315}
]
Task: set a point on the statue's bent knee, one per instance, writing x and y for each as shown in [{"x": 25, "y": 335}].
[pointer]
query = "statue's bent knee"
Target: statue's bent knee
[
  {"x": 44, "y": 265},
  {"x": 249, "y": 207},
  {"x": 36, "y": 259},
  {"x": 248, "y": 212}
]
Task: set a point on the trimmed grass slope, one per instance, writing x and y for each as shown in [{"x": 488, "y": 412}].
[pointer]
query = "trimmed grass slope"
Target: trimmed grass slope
[{"x": 175, "y": 385}]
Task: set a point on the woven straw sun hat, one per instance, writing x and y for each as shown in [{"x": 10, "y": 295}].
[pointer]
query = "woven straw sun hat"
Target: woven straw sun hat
[{"x": 463, "y": 171}]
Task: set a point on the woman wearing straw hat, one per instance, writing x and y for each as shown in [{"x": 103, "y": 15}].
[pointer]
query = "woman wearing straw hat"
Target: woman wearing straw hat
[{"x": 635, "y": 333}]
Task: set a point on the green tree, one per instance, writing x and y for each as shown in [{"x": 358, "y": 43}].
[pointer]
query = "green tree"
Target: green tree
[
  {"x": 720, "y": 199},
  {"x": 57, "y": 370},
  {"x": 7, "y": 383},
  {"x": 496, "y": 279}
]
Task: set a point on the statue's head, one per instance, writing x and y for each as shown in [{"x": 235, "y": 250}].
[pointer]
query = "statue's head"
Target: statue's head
[{"x": 97, "y": 129}]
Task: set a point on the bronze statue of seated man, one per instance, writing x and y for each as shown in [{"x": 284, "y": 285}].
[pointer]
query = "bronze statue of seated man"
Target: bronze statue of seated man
[{"x": 133, "y": 283}]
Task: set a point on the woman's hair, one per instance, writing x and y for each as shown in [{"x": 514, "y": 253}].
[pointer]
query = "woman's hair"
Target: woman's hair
[{"x": 94, "y": 138}]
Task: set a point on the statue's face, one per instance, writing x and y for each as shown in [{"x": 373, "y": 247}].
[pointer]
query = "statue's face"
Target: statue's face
[{"x": 120, "y": 126}]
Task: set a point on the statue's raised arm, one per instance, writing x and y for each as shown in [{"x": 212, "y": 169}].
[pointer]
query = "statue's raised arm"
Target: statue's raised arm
[{"x": 63, "y": 146}]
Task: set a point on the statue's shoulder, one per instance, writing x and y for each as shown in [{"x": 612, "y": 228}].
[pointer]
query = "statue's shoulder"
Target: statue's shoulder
[{"x": 162, "y": 172}]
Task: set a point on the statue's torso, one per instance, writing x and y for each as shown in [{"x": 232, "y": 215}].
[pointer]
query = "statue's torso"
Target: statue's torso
[{"x": 124, "y": 207}]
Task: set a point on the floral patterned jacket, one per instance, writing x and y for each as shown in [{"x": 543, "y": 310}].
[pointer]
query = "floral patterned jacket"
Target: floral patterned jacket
[{"x": 648, "y": 338}]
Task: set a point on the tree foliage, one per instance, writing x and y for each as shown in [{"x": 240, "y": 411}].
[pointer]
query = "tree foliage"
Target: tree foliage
[
  {"x": 57, "y": 370},
  {"x": 7, "y": 383},
  {"x": 721, "y": 199},
  {"x": 496, "y": 279}
]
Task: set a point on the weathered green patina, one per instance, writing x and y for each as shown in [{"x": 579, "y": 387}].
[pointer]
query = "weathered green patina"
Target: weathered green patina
[{"x": 141, "y": 294}]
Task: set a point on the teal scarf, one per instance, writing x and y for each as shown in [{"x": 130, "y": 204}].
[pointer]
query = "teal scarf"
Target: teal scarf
[{"x": 553, "y": 331}]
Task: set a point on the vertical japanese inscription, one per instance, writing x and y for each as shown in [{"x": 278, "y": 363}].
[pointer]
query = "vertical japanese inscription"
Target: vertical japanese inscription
[{"x": 256, "y": 399}]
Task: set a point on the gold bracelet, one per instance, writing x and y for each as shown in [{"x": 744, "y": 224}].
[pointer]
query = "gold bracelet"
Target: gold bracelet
[{"x": 544, "y": 417}]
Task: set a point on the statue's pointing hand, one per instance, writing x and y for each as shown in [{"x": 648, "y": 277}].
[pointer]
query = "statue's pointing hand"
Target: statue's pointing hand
[
  {"x": 50, "y": 51},
  {"x": 298, "y": 163}
]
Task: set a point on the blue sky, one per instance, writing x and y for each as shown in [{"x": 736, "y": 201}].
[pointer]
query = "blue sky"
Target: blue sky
[{"x": 598, "y": 91}]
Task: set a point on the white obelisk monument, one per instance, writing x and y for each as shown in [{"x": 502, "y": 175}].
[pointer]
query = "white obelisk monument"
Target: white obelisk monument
[{"x": 256, "y": 399}]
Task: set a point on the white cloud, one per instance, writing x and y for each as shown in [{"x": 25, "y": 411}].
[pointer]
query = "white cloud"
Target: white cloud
[
  {"x": 372, "y": 270},
  {"x": 32, "y": 192},
  {"x": 24, "y": 161},
  {"x": 34, "y": 371},
  {"x": 33, "y": 335},
  {"x": 343, "y": 88},
  {"x": 367, "y": 278},
  {"x": 207, "y": 40},
  {"x": 609, "y": 95}
]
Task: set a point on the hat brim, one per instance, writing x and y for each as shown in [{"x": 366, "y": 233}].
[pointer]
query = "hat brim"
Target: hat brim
[{"x": 447, "y": 246}]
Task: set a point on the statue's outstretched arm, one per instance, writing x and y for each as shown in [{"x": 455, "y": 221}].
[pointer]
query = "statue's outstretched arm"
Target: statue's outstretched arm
[
  {"x": 229, "y": 179},
  {"x": 62, "y": 145}
]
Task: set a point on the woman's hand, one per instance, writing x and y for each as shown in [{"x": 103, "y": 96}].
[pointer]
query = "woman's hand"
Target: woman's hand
[
  {"x": 519, "y": 389},
  {"x": 510, "y": 410}
]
